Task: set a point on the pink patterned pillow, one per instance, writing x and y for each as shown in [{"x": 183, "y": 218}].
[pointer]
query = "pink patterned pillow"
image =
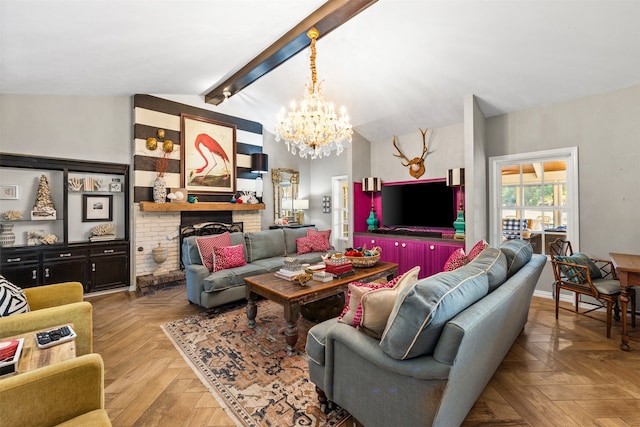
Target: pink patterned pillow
[
  {"x": 456, "y": 260},
  {"x": 352, "y": 313},
  {"x": 206, "y": 245},
  {"x": 314, "y": 243},
  {"x": 228, "y": 257},
  {"x": 476, "y": 249},
  {"x": 325, "y": 233}
]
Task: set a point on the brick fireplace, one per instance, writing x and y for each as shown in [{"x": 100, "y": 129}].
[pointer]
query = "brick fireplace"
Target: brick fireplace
[{"x": 153, "y": 228}]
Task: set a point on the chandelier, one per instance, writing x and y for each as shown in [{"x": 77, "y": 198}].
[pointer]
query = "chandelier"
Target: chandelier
[{"x": 314, "y": 129}]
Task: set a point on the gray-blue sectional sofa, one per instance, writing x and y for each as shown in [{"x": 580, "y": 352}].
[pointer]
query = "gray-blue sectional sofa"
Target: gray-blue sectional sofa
[
  {"x": 264, "y": 252},
  {"x": 444, "y": 339}
]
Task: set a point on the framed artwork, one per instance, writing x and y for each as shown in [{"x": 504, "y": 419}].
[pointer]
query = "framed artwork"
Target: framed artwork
[
  {"x": 97, "y": 208},
  {"x": 9, "y": 192},
  {"x": 208, "y": 155}
]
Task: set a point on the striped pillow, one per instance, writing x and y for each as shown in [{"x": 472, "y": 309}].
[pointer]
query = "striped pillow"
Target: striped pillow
[
  {"x": 206, "y": 245},
  {"x": 12, "y": 299}
]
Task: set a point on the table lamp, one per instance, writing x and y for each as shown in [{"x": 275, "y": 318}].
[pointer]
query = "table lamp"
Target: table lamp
[
  {"x": 455, "y": 178},
  {"x": 299, "y": 206},
  {"x": 372, "y": 185},
  {"x": 259, "y": 165}
]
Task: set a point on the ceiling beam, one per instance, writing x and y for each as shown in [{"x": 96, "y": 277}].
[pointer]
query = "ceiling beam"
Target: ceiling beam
[{"x": 326, "y": 18}]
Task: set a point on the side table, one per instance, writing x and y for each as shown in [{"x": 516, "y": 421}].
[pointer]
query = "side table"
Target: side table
[{"x": 33, "y": 357}]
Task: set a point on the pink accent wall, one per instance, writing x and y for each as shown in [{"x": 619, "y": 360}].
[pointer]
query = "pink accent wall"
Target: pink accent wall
[{"x": 362, "y": 202}]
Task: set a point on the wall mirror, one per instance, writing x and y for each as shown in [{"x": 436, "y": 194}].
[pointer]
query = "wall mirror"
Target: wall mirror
[{"x": 285, "y": 191}]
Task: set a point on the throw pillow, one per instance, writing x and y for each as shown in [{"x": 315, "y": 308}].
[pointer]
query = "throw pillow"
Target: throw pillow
[
  {"x": 422, "y": 310},
  {"x": 493, "y": 262},
  {"x": 577, "y": 274},
  {"x": 586, "y": 260},
  {"x": 12, "y": 299},
  {"x": 518, "y": 253},
  {"x": 477, "y": 248},
  {"x": 325, "y": 233},
  {"x": 456, "y": 260},
  {"x": 378, "y": 303},
  {"x": 228, "y": 257},
  {"x": 206, "y": 245},
  {"x": 314, "y": 243},
  {"x": 352, "y": 312}
]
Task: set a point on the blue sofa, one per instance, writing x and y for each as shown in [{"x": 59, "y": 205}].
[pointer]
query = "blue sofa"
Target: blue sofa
[
  {"x": 444, "y": 339},
  {"x": 264, "y": 252}
]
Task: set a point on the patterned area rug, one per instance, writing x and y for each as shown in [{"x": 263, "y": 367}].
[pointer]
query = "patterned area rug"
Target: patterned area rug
[{"x": 248, "y": 370}]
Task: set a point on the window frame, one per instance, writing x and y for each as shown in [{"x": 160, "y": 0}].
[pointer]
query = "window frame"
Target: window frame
[{"x": 570, "y": 156}]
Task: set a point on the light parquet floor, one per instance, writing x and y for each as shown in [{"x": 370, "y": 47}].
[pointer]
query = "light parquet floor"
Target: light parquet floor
[{"x": 558, "y": 373}]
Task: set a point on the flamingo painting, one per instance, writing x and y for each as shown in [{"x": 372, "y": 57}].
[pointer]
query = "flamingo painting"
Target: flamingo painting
[{"x": 216, "y": 151}]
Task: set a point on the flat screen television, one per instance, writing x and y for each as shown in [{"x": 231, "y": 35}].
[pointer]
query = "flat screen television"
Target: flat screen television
[{"x": 423, "y": 205}]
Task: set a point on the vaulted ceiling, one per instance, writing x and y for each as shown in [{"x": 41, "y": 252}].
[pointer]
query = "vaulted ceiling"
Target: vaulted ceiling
[{"x": 397, "y": 66}]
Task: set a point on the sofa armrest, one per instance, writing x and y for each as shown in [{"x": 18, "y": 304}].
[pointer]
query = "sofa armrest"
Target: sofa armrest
[
  {"x": 52, "y": 295},
  {"x": 78, "y": 313},
  {"x": 194, "y": 277},
  {"x": 55, "y": 393},
  {"x": 423, "y": 367}
]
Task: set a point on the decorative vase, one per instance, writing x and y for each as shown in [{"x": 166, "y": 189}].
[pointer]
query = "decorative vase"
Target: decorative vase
[
  {"x": 458, "y": 226},
  {"x": 7, "y": 238},
  {"x": 160, "y": 190},
  {"x": 372, "y": 221}
]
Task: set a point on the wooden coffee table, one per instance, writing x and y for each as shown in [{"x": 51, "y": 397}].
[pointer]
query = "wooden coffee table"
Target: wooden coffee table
[
  {"x": 33, "y": 357},
  {"x": 292, "y": 295}
]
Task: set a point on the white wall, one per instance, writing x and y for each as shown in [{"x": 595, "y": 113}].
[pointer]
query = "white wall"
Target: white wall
[
  {"x": 606, "y": 130},
  {"x": 476, "y": 212},
  {"x": 71, "y": 127},
  {"x": 445, "y": 147}
]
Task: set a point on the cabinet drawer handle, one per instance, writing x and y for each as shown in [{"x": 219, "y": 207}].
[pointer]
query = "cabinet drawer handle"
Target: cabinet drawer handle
[
  {"x": 64, "y": 255},
  {"x": 432, "y": 247},
  {"x": 395, "y": 244},
  {"x": 34, "y": 274},
  {"x": 404, "y": 245},
  {"x": 108, "y": 251},
  {"x": 13, "y": 259},
  {"x": 46, "y": 272},
  {"x": 373, "y": 242},
  {"x": 93, "y": 266}
]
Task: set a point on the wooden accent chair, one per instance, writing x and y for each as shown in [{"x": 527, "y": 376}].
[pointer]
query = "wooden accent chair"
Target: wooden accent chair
[{"x": 582, "y": 275}]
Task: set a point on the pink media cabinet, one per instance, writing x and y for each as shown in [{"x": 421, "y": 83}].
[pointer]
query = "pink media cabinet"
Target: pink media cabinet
[{"x": 405, "y": 248}]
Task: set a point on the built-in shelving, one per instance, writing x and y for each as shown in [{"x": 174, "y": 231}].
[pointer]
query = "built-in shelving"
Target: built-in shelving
[{"x": 200, "y": 206}]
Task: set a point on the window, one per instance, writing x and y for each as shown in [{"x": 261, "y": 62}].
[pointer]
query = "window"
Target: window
[
  {"x": 340, "y": 212},
  {"x": 534, "y": 196}
]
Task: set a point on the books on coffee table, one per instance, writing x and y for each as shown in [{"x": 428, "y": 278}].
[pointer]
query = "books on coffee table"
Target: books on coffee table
[{"x": 288, "y": 274}]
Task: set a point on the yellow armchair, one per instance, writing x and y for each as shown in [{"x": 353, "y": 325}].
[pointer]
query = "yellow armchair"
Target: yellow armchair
[
  {"x": 69, "y": 393},
  {"x": 54, "y": 305}
]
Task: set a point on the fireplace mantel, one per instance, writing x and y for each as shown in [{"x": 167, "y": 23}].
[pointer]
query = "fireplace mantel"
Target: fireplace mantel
[{"x": 200, "y": 206}]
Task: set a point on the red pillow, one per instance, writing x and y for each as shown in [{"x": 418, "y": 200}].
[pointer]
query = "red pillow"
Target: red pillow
[
  {"x": 325, "y": 233},
  {"x": 228, "y": 257},
  {"x": 476, "y": 249},
  {"x": 314, "y": 243},
  {"x": 206, "y": 245},
  {"x": 456, "y": 260}
]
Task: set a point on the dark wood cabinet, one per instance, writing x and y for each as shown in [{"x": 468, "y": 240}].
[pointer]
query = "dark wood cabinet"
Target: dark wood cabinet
[
  {"x": 64, "y": 265},
  {"x": 98, "y": 265},
  {"x": 109, "y": 267},
  {"x": 21, "y": 268}
]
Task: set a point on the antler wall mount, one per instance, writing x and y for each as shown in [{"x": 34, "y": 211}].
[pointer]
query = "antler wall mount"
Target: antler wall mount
[{"x": 416, "y": 165}]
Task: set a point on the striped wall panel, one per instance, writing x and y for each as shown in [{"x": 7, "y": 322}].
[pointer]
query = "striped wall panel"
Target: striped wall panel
[{"x": 151, "y": 113}]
